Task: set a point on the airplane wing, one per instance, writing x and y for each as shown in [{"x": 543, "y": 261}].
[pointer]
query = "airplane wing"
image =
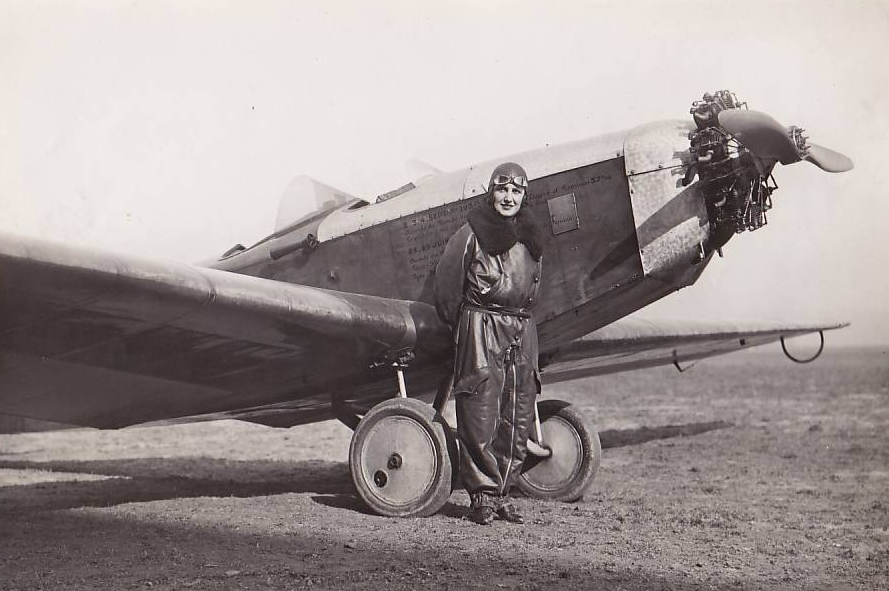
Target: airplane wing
[
  {"x": 624, "y": 345},
  {"x": 97, "y": 339},
  {"x": 633, "y": 343}
]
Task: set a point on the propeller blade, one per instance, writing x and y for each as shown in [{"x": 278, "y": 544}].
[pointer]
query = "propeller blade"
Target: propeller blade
[
  {"x": 828, "y": 160},
  {"x": 770, "y": 140},
  {"x": 761, "y": 134}
]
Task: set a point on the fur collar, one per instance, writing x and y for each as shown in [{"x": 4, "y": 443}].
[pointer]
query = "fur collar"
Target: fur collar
[{"x": 497, "y": 234}]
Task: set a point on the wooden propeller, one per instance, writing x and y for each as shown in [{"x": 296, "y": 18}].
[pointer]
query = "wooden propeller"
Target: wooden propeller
[{"x": 769, "y": 140}]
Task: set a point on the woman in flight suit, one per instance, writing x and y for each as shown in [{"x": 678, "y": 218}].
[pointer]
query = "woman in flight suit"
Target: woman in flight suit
[{"x": 485, "y": 283}]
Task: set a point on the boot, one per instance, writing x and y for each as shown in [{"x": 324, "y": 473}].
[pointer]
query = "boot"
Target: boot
[
  {"x": 508, "y": 512},
  {"x": 481, "y": 509}
]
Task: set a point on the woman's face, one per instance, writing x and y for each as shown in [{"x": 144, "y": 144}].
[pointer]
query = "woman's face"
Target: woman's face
[{"x": 508, "y": 199}]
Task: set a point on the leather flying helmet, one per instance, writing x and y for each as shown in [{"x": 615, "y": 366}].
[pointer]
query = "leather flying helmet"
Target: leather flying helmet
[{"x": 506, "y": 173}]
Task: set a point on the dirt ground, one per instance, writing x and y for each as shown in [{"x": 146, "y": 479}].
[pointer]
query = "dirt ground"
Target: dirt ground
[{"x": 790, "y": 492}]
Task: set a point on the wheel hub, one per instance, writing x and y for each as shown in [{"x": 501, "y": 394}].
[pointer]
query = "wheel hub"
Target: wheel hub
[{"x": 399, "y": 458}]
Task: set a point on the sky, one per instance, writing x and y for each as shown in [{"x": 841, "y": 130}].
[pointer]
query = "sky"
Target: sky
[{"x": 170, "y": 129}]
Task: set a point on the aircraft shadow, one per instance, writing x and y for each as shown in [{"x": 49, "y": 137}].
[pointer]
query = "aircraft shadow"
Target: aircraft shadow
[
  {"x": 623, "y": 437},
  {"x": 153, "y": 479},
  {"x": 351, "y": 502},
  {"x": 130, "y": 551}
]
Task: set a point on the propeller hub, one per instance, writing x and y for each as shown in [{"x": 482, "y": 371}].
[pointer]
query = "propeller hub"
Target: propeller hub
[{"x": 800, "y": 141}]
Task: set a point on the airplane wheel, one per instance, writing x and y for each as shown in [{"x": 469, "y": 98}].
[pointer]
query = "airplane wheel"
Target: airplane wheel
[
  {"x": 566, "y": 474},
  {"x": 400, "y": 459}
]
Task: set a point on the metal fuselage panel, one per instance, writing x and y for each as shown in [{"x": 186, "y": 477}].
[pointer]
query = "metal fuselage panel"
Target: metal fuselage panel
[
  {"x": 671, "y": 219},
  {"x": 620, "y": 230}
]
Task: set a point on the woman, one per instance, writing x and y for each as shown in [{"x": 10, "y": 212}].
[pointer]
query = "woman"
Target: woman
[{"x": 486, "y": 282}]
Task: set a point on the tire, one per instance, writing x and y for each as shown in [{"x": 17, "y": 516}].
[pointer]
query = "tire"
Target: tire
[
  {"x": 400, "y": 459},
  {"x": 567, "y": 474}
]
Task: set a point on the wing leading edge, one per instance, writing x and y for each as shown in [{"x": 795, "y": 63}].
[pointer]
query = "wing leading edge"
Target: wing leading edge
[
  {"x": 634, "y": 343},
  {"x": 98, "y": 339}
]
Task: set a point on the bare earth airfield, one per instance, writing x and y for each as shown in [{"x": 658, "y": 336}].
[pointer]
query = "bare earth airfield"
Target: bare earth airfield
[{"x": 747, "y": 472}]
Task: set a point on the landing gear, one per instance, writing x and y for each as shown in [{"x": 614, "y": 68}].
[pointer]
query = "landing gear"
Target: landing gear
[
  {"x": 400, "y": 459},
  {"x": 576, "y": 453},
  {"x": 404, "y": 462}
]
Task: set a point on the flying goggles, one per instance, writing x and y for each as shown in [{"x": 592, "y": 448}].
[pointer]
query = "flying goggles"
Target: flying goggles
[{"x": 505, "y": 179}]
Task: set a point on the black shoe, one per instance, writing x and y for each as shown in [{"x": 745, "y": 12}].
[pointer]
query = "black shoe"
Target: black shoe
[
  {"x": 482, "y": 515},
  {"x": 509, "y": 513}
]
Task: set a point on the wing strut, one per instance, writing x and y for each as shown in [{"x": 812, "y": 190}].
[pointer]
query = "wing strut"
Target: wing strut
[{"x": 679, "y": 367}]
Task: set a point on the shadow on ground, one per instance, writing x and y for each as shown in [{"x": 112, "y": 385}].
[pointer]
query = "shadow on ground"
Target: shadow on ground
[
  {"x": 60, "y": 549},
  {"x": 624, "y": 437},
  {"x": 153, "y": 479}
]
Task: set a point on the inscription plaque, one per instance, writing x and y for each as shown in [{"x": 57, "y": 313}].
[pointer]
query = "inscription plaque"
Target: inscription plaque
[{"x": 563, "y": 214}]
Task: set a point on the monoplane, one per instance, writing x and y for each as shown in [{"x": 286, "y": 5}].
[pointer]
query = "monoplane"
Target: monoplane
[{"x": 333, "y": 314}]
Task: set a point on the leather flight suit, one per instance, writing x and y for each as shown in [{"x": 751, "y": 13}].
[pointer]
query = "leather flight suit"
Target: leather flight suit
[{"x": 486, "y": 299}]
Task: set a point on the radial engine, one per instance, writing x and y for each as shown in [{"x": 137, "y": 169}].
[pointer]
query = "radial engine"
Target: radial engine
[{"x": 736, "y": 185}]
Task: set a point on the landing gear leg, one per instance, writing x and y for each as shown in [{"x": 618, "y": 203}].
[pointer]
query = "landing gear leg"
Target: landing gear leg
[{"x": 403, "y": 456}]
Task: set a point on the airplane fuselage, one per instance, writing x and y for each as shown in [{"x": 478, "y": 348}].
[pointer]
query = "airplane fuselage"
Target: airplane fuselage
[{"x": 622, "y": 231}]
